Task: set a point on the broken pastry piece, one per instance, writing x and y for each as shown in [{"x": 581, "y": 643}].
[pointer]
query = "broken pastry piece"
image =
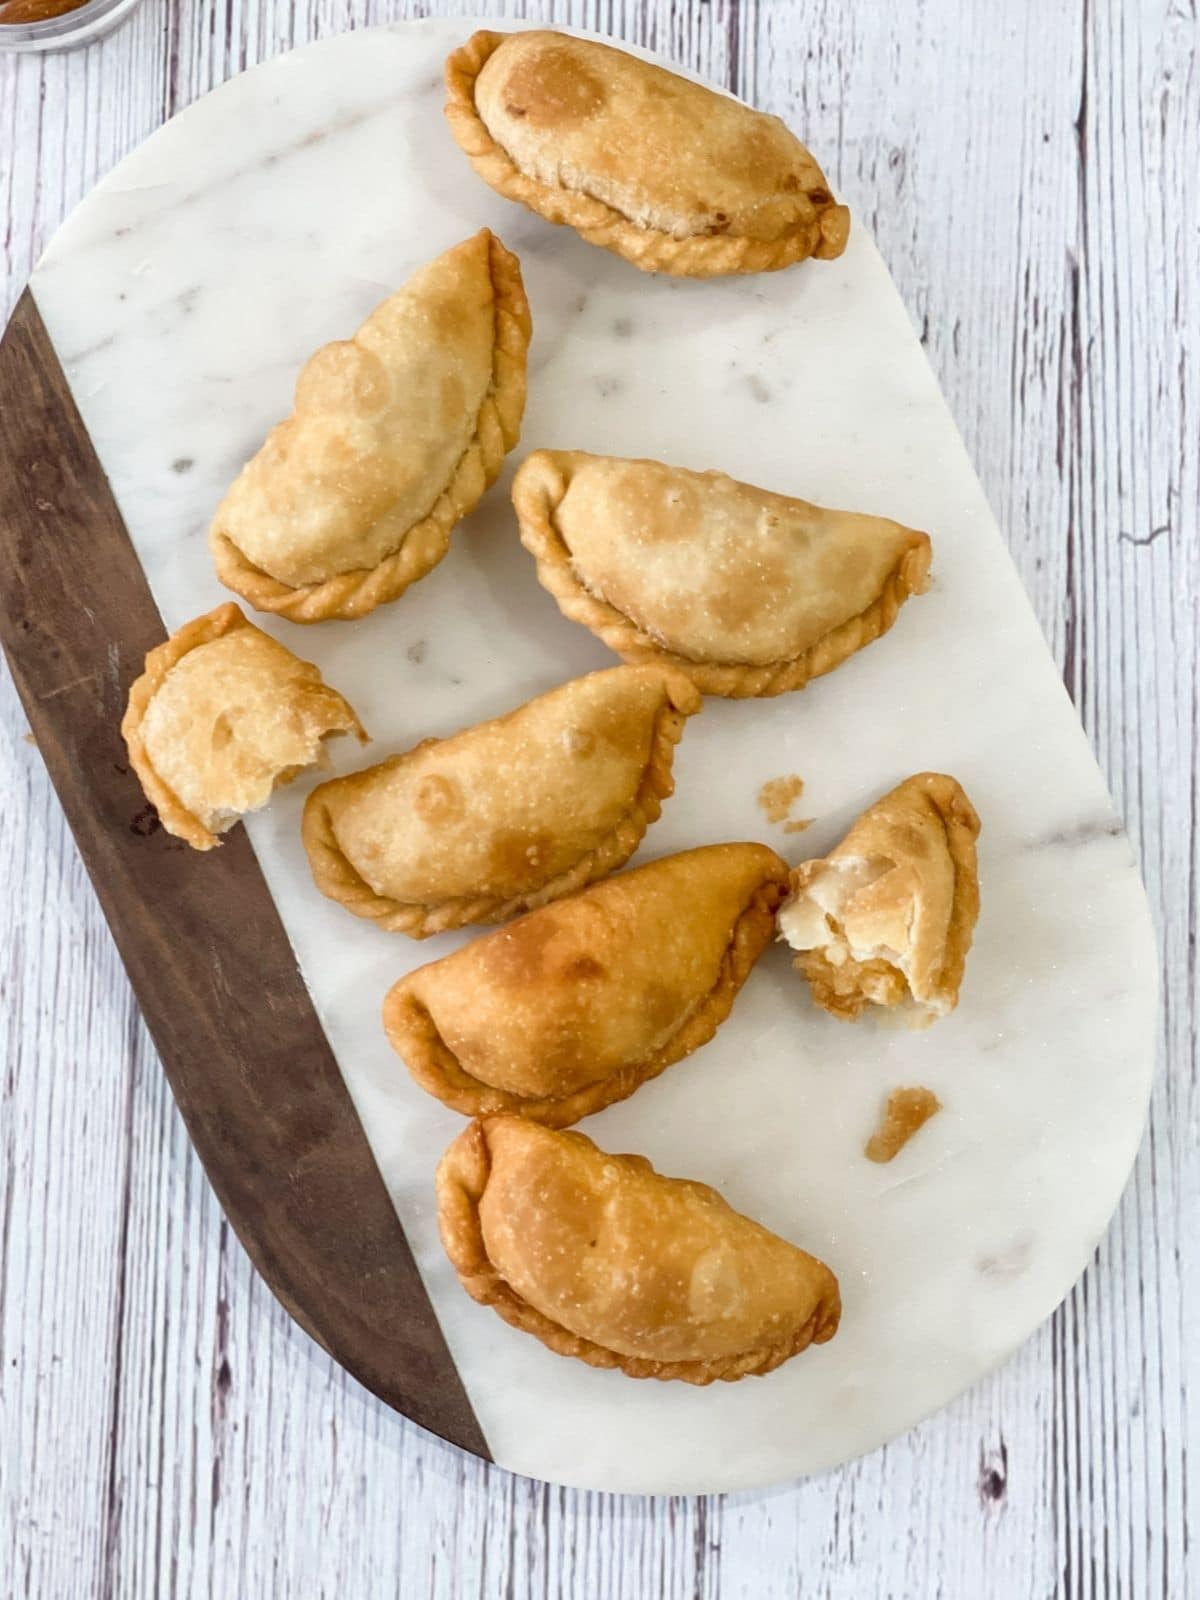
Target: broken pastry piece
[
  {"x": 887, "y": 917},
  {"x": 602, "y": 1258},
  {"x": 748, "y": 592},
  {"x": 395, "y": 435},
  {"x": 222, "y": 715},
  {"x": 507, "y": 815},
  {"x": 575, "y": 1006},
  {"x": 670, "y": 175},
  {"x": 908, "y": 1110}
]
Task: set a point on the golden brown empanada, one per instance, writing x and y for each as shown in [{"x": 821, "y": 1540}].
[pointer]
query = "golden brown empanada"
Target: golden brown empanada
[
  {"x": 887, "y": 918},
  {"x": 602, "y": 1258},
  {"x": 505, "y": 816},
  {"x": 673, "y": 176},
  {"x": 575, "y": 1006},
  {"x": 748, "y": 592},
  {"x": 221, "y": 716},
  {"x": 395, "y": 435}
]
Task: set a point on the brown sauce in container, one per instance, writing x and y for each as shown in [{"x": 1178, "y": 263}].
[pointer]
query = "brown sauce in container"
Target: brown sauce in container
[{"x": 24, "y": 11}]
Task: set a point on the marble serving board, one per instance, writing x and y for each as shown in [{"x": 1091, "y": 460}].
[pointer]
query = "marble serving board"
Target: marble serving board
[{"x": 181, "y": 299}]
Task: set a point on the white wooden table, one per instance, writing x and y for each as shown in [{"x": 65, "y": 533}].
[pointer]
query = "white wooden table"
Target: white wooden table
[{"x": 1032, "y": 174}]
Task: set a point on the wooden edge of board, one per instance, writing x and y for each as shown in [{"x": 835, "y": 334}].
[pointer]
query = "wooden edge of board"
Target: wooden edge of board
[{"x": 212, "y": 967}]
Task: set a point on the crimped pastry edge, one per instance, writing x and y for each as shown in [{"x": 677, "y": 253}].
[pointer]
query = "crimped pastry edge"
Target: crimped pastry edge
[
  {"x": 337, "y": 878},
  {"x": 537, "y": 490},
  {"x": 348, "y": 595},
  {"x": 415, "y": 1037},
  {"x": 961, "y": 825},
  {"x": 462, "y": 1176},
  {"x": 172, "y": 813},
  {"x": 648, "y": 249}
]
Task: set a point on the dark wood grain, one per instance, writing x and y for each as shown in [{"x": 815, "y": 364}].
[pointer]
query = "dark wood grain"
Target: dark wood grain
[{"x": 213, "y": 969}]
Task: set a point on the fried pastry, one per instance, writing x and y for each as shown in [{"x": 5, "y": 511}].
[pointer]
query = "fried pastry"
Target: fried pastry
[
  {"x": 576, "y": 1005},
  {"x": 222, "y": 715},
  {"x": 395, "y": 435},
  {"x": 602, "y": 1258},
  {"x": 906, "y": 1113},
  {"x": 670, "y": 175},
  {"x": 748, "y": 592},
  {"x": 887, "y": 917},
  {"x": 507, "y": 815}
]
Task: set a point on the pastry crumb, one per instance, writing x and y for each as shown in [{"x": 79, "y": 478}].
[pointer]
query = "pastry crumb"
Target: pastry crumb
[
  {"x": 29, "y": 739},
  {"x": 777, "y": 797},
  {"x": 908, "y": 1110},
  {"x": 798, "y": 824}
]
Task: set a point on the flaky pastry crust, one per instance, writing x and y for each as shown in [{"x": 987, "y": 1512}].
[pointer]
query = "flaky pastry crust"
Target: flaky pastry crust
[
  {"x": 659, "y": 1276},
  {"x": 315, "y": 711},
  {"x": 604, "y": 742},
  {"x": 741, "y": 579},
  {"x": 899, "y": 931},
  {"x": 576, "y": 1005},
  {"x": 906, "y": 1113},
  {"x": 651, "y": 139},
  {"x": 322, "y": 390}
]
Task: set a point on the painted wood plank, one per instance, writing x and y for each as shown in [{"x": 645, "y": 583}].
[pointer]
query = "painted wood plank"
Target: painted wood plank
[{"x": 1029, "y": 172}]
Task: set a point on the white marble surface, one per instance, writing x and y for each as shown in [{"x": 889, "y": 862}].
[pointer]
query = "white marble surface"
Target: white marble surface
[{"x": 184, "y": 295}]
